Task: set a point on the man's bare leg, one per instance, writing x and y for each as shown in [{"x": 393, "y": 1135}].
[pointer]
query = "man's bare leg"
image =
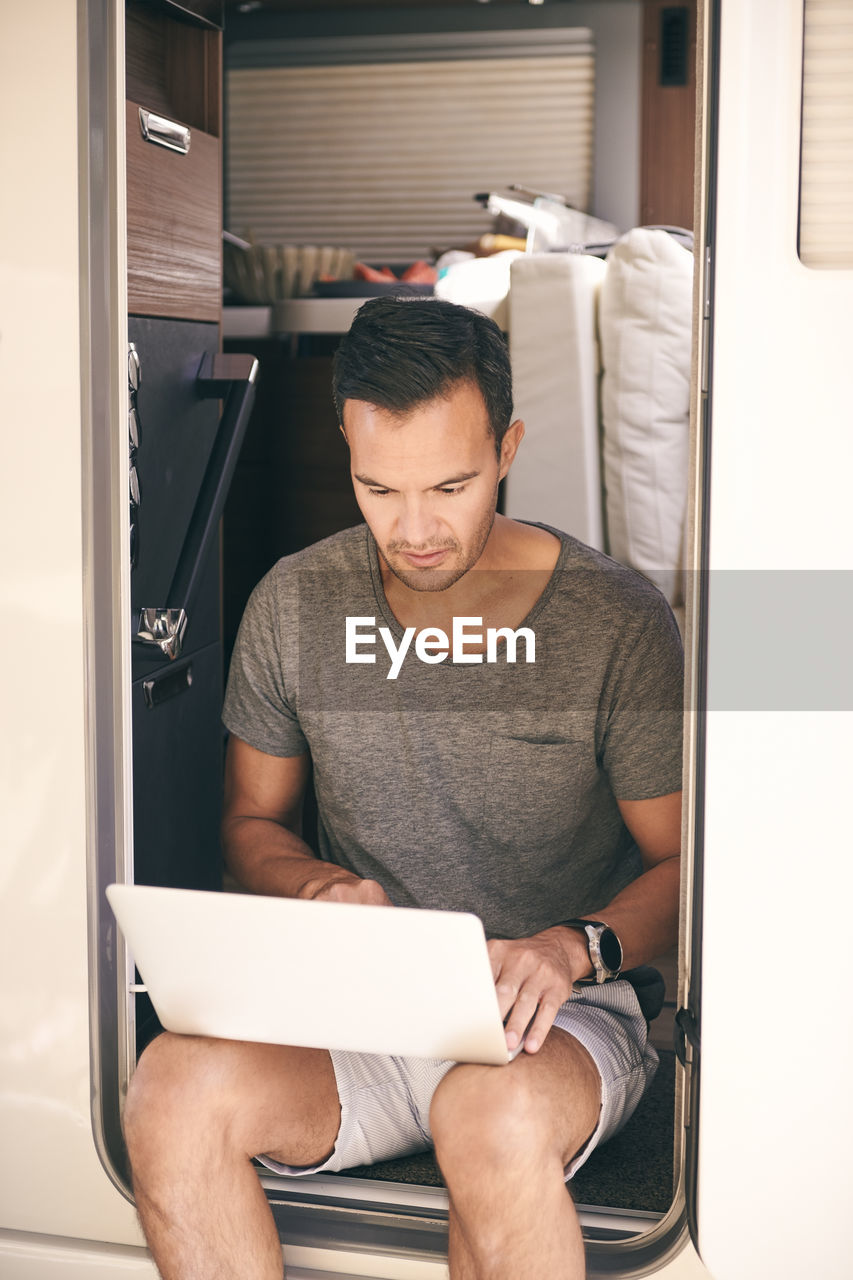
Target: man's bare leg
[
  {"x": 503, "y": 1137},
  {"x": 458, "y": 1254},
  {"x": 197, "y": 1111}
]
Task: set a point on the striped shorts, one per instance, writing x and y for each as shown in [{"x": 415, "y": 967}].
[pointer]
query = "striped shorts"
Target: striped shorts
[{"x": 385, "y": 1101}]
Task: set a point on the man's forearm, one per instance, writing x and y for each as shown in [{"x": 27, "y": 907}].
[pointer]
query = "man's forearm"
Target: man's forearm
[
  {"x": 266, "y": 857},
  {"x": 645, "y": 913}
]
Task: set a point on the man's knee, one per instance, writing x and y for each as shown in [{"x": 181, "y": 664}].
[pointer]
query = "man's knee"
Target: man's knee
[
  {"x": 179, "y": 1086},
  {"x": 538, "y": 1111},
  {"x": 205, "y": 1097},
  {"x": 488, "y": 1114}
]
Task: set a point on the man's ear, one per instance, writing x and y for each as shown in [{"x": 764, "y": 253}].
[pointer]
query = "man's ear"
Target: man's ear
[
  {"x": 509, "y": 446},
  {"x": 343, "y": 432}
]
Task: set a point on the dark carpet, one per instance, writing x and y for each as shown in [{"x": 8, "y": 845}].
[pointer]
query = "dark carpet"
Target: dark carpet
[{"x": 631, "y": 1171}]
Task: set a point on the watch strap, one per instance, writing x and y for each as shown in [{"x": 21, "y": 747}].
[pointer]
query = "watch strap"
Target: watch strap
[{"x": 601, "y": 971}]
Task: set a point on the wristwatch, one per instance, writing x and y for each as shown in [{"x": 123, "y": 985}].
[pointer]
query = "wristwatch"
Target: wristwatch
[{"x": 605, "y": 950}]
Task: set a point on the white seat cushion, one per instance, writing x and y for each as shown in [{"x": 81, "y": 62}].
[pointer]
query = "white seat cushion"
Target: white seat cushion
[
  {"x": 556, "y": 476},
  {"x": 481, "y": 283},
  {"x": 645, "y": 312}
]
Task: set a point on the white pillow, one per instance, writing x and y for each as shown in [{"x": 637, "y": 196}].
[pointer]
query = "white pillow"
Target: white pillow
[
  {"x": 556, "y": 475},
  {"x": 481, "y": 283},
  {"x": 645, "y": 313}
]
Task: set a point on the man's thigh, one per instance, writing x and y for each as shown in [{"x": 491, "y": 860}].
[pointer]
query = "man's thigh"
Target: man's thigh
[{"x": 268, "y": 1098}]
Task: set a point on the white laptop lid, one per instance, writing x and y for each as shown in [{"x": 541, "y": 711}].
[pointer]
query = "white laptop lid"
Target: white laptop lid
[{"x": 320, "y": 974}]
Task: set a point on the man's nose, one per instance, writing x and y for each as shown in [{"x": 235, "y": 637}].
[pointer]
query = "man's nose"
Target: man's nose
[{"x": 417, "y": 524}]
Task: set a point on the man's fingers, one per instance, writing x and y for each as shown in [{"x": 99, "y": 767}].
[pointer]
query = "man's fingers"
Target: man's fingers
[
  {"x": 365, "y": 892},
  {"x": 334, "y": 891},
  {"x": 542, "y": 1024},
  {"x": 343, "y": 891},
  {"x": 530, "y": 989},
  {"x": 371, "y": 893},
  {"x": 522, "y": 1011},
  {"x": 507, "y": 992}
]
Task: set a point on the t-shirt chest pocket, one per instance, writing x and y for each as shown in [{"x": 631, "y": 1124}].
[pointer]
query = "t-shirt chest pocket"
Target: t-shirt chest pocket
[{"x": 532, "y": 790}]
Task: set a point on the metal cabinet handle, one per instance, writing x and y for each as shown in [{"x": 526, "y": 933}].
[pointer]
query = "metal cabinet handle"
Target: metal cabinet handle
[
  {"x": 232, "y": 376},
  {"x": 166, "y": 133},
  {"x": 162, "y": 629},
  {"x": 134, "y": 371}
]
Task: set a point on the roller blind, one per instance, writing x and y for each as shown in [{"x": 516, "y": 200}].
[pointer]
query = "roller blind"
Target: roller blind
[
  {"x": 384, "y": 157},
  {"x": 826, "y": 184}
]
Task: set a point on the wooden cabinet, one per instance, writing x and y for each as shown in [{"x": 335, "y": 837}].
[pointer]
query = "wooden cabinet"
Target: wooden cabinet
[
  {"x": 669, "y": 113},
  {"x": 174, "y": 201},
  {"x": 174, "y": 226}
]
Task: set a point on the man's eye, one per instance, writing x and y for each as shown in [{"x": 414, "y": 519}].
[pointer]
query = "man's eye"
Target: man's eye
[
  {"x": 459, "y": 488},
  {"x": 377, "y": 493}
]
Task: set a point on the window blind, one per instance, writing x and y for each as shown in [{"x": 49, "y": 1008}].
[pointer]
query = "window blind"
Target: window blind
[
  {"x": 826, "y": 178},
  {"x": 384, "y": 158}
]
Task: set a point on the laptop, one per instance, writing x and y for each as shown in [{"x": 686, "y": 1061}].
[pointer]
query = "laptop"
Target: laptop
[{"x": 329, "y": 975}]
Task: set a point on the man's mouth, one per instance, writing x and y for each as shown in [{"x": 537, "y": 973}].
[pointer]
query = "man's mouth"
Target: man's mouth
[{"x": 425, "y": 559}]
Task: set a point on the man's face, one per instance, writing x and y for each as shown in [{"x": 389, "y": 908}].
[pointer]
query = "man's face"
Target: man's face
[{"x": 427, "y": 482}]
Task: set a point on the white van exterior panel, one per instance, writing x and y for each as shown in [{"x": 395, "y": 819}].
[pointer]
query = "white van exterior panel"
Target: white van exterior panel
[
  {"x": 782, "y": 370},
  {"x": 51, "y": 1179},
  {"x": 25, "y": 1257},
  {"x": 776, "y": 1115}
]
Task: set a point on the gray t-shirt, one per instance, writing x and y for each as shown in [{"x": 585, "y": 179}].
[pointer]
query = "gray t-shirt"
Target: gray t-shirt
[{"x": 484, "y": 787}]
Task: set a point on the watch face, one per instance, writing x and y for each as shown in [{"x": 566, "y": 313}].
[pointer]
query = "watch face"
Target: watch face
[{"x": 611, "y": 949}]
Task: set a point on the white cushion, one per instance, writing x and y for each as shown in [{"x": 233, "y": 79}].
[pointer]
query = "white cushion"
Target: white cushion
[
  {"x": 556, "y": 476},
  {"x": 645, "y": 311},
  {"x": 481, "y": 283}
]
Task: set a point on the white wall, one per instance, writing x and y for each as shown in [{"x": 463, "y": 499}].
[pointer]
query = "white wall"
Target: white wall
[{"x": 618, "y": 30}]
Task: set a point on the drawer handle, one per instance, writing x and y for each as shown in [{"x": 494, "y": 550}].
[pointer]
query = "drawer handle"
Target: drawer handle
[
  {"x": 166, "y": 133},
  {"x": 161, "y": 688}
]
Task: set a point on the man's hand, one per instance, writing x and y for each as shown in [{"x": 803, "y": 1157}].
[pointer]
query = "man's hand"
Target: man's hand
[
  {"x": 534, "y": 976},
  {"x": 341, "y": 886}
]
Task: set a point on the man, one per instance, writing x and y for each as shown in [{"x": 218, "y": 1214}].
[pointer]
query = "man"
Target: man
[{"x": 530, "y": 787}]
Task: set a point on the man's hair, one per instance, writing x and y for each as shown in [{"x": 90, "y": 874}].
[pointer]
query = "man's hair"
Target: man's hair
[{"x": 404, "y": 351}]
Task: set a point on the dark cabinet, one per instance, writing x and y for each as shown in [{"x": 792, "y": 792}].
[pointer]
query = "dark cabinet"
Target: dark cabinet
[
  {"x": 177, "y": 750},
  {"x": 174, "y": 234},
  {"x": 177, "y": 736}
]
